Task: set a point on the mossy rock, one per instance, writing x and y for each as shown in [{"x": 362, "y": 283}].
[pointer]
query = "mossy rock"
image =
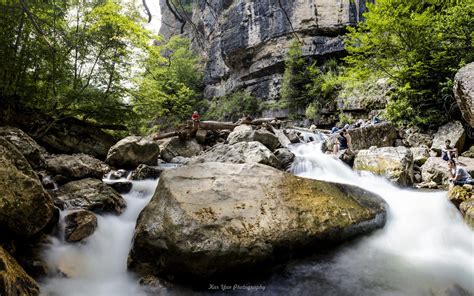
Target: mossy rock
[{"x": 13, "y": 279}]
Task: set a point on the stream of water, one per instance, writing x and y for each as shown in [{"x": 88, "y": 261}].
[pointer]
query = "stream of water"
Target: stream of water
[{"x": 424, "y": 249}]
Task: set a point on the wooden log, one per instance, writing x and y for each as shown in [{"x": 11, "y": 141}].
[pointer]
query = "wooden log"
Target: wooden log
[
  {"x": 165, "y": 135},
  {"x": 216, "y": 125}
]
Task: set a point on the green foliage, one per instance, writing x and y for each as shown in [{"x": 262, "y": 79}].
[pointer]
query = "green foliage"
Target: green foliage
[
  {"x": 419, "y": 45},
  {"x": 170, "y": 88},
  {"x": 233, "y": 106},
  {"x": 294, "y": 79}
]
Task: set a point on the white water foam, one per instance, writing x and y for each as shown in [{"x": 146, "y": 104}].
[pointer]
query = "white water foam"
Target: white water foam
[{"x": 98, "y": 267}]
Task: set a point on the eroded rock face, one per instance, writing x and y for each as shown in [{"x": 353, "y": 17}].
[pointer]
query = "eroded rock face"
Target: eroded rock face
[
  {"x": 34, "y": 153},
  {"x": 175, "y": 147},
  {"x": 77, "y": 166},
  {"x": 13, "y": 279},
  {"x": 453, "y": 131},
  {"x": 91, "y": 194},
  {"x": 133, "y": 151},
  {"x": 245, "y": 133},
  {"x": 209, "y": 219},
  {"x": 395, "y": 163},
  {"x": 246, "y": 42},
  {"x": 79, "y": 225},
  {"x": 25, "y": 207},
  {"x": 464, "y": 92},
  {"x": 242, "y": 152}
]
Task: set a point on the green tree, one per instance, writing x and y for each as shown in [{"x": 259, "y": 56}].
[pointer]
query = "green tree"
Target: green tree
[
  {"x": 234, "y": 106},
  {"x": 419, "y": 45}
]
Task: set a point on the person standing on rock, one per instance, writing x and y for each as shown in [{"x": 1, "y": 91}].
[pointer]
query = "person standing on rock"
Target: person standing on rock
[
  {"x": 448, "y": 152},
  {"x": 195, "y": 118},
  {"x": 458, "y": 175}
]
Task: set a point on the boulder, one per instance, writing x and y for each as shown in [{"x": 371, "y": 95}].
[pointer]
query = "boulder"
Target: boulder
[
  {"x": 469, "y": 153},
  {"x": 245, "y": 133},
  {"x": 144, "y": 171},
  {"x": 132, "y": 151},
  {"x": 76, "y": 166},
  {"x": 286, "y": 158},
  {"x": 436, "y": 170},
  {"x": 13, "y": 279},
  {"x": 79, "y": 225},
  {"x": 420, "y": 155},
  {"x": 174, "y": 147},
  {"x": 463, "y": 198},
  {"x": 91, "y": 194},
  {"x": 414, "y": 138},
  {"x": 34, "y": 153},
  {"x": 464, "y": 92},
  {"x": 211, "y": 219},
  {"x": 395, "y": 163},
  {"x": 201, "y": 135},
  {"x": 380, "y": 135},
  {"x": 25, "y": 207},
  {"x": 120, "y": 186},
  {"x": 453, "y": 131},
  {"x": 242, "y": 152}
]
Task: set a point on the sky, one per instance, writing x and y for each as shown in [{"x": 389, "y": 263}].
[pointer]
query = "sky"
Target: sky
[{"x": 154, "y": 6}]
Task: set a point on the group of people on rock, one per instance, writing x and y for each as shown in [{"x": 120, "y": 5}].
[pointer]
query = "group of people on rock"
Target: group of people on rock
[{"x": 457, "y": 174}]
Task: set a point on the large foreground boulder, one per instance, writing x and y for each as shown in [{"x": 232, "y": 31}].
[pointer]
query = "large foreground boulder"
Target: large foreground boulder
[
  {"x": 211, "y": 219},
  {"x": 34, "y": 153},
  {"x": 91, "y": 194},
  {"x": 395, "y": 163},
  {"x": 77, "y": 166},
  {"x": 25, "y": 207},
  {"x": 175, "y": 147},
  {"x": 133, "y": 151},
  {"x": 241, "y": 152},
  {"x": 453, "y": 131},
  {"x": 245, "y": 133},
  {"x": 464, "y": 92},
  {"x": 14, "y": 281}
]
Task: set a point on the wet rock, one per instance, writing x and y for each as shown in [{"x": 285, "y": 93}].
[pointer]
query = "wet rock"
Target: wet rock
[
  {"x": 29, "y": 254},
  {"x": 91, "y": 194},
  {"x": 436, "y": 169},
  {"x": 79, "y": 225},
  {"x": 118, "y": 174},
  {"x": 154, "y": 285},
  {"x": 241, "y": 152},
  {"x": 464, "y": 92},
  {"x": 467, "y": 210},
  {"x": 286, "y": 158},
  {"x": 292, "y": 136},
  {"x": 463, "y": 198},
  {"x": 174, "y": 147},
  {"x": 132, "y": 151},
  {"x": 121, "y": 187},
  {"x": 34, "y": 153},
  {"x": 395, "y": 163},
  {"x": 76, "y": 166},
  {"x": 210, "y": 219},
  {"x": 245, "y": 133},
  {"x": 25, "y": 207},
  {"x": 201, "y": 136},
  {"x": 453, "y": 131},
  {"x": 144, "y": 171},
  {"x": 13, "y": 278}
]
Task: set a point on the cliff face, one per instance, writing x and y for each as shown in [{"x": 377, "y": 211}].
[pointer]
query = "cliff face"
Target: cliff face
[{"x": 245, "y": 41}]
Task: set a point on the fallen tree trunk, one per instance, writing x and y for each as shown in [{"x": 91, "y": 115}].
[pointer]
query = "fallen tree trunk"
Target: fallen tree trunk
[{"x": 216, "y": 125}]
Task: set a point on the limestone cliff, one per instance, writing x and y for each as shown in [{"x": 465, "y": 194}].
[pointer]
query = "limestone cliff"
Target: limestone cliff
[{"x": 245, "y": 41}]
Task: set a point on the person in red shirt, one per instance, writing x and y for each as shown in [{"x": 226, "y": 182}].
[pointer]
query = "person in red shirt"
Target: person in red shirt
[{"x": 195, "y": 118}]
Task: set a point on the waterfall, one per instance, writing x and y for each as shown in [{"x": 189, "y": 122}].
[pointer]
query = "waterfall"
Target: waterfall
[
  {"x": 424, "y": 249},
  {"x": 99, "y": 266}
]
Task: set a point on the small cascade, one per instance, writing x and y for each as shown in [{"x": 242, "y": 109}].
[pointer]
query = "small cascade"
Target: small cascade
[{"x": 99, "y": 265}]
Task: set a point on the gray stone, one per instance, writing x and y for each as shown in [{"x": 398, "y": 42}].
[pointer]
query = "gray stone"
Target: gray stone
[
  {"x": 174, "y": 147},
  {"x": 286, "y": 158},
  {"x": 132, "y": 151},
  {"x": 91, "y": 194},
  {"x": 453, "y": 131},
  {"x": 214, "y": 218},
  {"x": 76, "y": 166},
  {"x": 34, "y": 153},
  {"x": 395, "y": 163},
  {"x": 379, "y": 135},
  {"x": 144, "y": 171},
  {"x": 245, "y": 133},
  {"x": 464, "y": 92},
  {"x": 420, "y": 155},
  {"x": 242, "y": 152}
]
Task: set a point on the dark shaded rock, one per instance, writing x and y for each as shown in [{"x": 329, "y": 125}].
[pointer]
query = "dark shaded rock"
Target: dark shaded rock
[
  {"x": 121, "y": 187},
  {"x": 91, "y": 194},
  {"x": 174, "y": 147},
  {"x": 34, "y": 153},
  {"x": 79, "y": 225},
  {"x": 144, "y": 171},
  {"x": 25, "y": 207},
  {"x": 286, "y": 158},
  {"x": 13, "y": 278},
  {"x": 132, "y": 151},
  {"x": 76, "y": 167},
  {"x": 210, "y": 219}
]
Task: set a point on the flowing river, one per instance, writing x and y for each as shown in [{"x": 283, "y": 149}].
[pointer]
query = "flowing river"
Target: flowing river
[{"x": 424, "y": 249}]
